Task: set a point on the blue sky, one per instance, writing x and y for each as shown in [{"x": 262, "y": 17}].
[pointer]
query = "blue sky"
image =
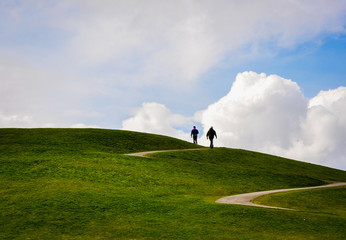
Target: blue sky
[
  {"x": 315, "y": 66},
  {"x": 86, "y": 63}
]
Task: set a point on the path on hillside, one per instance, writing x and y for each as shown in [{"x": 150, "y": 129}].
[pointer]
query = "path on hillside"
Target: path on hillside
[
  {"x": 245, "y": 198},
  {"x": 142, "y": 154}
]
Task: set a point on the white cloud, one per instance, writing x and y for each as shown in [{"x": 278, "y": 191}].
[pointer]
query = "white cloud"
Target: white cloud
[
  {"x": 270, "y": 114},
  {"x": 157, "y": 118},
  {"x": 83, "y": 125},
  {"x": 25, "y": 92},
  {"x": 156, "y": 39},
  {"x": 259, "y": 112},
  {"x": 178, "y": 41},
  {"x": 33, "y": 97},
  {"x": 324, "y": 130},
  {"x": 8, "y": 121},
  {"x": 266, "y": 114}
]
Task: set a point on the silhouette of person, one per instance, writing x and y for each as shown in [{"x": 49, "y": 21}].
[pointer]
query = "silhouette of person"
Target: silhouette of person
[
  {"x": 194, "y": 133},
  {"x": 211, "y": 134}
]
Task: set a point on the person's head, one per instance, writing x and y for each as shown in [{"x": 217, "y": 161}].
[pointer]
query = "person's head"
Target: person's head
[
  {"x": 211, "y": 127},
  {"x": 194, "y": 126}
]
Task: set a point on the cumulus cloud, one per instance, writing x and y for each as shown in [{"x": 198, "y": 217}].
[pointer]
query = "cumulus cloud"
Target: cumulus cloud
[
  {"x": 323, "y": 130},
  {"x": 157, "y": 118},
  {"x": 258, "y": 113},
  {"x": 270, "y": 114},
  {"x": 267, "y": 114}
]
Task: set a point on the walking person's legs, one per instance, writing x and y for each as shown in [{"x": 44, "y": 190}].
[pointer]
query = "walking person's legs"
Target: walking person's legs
[
  {"x": 211, "y": 143},
  {"x": 195, "y": 139}
]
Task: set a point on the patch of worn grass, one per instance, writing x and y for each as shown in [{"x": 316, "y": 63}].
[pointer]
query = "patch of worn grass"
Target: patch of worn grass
[{"x": 76, "y": 184}]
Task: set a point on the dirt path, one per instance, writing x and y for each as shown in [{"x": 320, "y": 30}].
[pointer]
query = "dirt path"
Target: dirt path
[
  {"x": 142, "y": 154},
  {"x": 245, "y": 198}
]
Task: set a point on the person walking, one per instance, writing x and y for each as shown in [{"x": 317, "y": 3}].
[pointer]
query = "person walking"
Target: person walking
[
  {"x": 210, "y": 135},
  {"x": 194, "y": 133}
]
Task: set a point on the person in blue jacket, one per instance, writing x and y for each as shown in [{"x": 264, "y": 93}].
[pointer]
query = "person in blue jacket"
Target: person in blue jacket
[{"x": 194, "y": 133}]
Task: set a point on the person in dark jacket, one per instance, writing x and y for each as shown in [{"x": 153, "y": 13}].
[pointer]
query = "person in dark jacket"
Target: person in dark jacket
[
  {"x": 194, "y": 133},
  {"x": 210, "y": 135}
]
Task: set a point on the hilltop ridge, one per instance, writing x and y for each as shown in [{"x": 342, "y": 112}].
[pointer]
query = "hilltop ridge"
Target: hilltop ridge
[{"x": 69, "y": 139}]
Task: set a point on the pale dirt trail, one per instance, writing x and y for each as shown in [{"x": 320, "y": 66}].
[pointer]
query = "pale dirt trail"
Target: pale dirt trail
[
  {"x": 142, "y": 154},
  {"x": 245, "y": 198}
]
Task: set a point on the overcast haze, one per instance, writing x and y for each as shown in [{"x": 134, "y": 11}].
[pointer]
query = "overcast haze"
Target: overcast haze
[{"x": 269, "y": 75}]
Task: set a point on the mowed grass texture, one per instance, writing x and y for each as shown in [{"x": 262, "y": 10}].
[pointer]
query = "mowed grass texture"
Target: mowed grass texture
[{"x": 77, "y": 184}]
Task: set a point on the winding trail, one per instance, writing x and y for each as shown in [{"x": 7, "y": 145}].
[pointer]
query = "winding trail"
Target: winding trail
[
  {"x": 245, "y": 199},
  {"x": 143, "y": 154}
]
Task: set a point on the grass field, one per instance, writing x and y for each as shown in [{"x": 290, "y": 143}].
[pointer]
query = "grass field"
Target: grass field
[{"x": 77, "y": 184}]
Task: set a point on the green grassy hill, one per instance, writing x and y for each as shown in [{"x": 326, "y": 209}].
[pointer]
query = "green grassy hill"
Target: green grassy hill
[{"x": 77, "y": 184}]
